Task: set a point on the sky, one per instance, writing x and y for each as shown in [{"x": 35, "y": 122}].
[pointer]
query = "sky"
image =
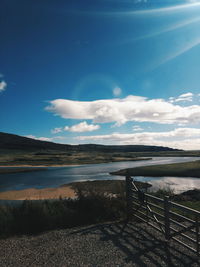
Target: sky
[{"x": 104, "y": 71}]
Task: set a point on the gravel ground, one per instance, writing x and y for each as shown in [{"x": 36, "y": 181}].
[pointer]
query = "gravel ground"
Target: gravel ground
[{"x": 99, "y": 245}]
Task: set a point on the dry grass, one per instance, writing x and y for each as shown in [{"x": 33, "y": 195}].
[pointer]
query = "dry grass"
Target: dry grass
[{"x": 36, "y": 194}]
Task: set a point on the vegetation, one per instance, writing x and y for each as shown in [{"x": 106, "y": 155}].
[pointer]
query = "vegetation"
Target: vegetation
[
  {"x": 18, "y": 151},
  {"x": 36, "y": 216},
  {"x": 162, "y": 192},
  {"x": 91, "y": 206},
  {"x": 186, "y": 169},
  {"x": 97, "y": 201},
  {"x": 105, "y": 187},
  {"x": 52, "y": 158}
]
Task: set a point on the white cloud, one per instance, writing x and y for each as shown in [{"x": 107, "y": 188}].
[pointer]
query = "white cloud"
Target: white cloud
[
  {"x": 181, "y": 138},
  {"x": 39, "y": 138},
  {"x": 137, "y": 128},
  {"x": 131, "y": 108},
  {"x": 80, "y": 128},
  {"x": 117, "y": 91},
  {"x": 56, "y": 130},
  {"x": 183, "y": 97},
  {"x": 83, "y": 127},
  {"x": 3, "y": 86}
]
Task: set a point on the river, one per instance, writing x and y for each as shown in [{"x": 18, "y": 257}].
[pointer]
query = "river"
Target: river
[{"x": 56, "y": 176}]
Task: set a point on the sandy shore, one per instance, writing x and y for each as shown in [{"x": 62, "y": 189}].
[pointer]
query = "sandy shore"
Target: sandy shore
[{"x": 36, "y": 194}]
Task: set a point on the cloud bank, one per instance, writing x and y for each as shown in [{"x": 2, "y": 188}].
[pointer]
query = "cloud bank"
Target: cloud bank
[
  {"x": 181, "y": 138},
  {"x": 131, "y": 108}
]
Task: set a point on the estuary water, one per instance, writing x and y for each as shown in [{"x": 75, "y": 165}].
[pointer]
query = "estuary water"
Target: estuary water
[{"x": 56, "y": 176}]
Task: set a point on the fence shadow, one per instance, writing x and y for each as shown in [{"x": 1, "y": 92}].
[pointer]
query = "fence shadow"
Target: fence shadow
[{"x": 140, "y": 244}]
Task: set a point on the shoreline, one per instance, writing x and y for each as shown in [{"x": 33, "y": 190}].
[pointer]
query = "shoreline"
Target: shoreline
[
  {"x": 68, "y": 191},
  {"x": 7, "y": 169},
  {"x": 73, "y": 164},
  {"x": 38, "y": 166},
  {"x": 182, "y": 169}
]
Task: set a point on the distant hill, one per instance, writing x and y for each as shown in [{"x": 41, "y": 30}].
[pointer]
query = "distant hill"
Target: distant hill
[
  {"x": 16, "y": 142},
  {"x": 123, "y": 148}
]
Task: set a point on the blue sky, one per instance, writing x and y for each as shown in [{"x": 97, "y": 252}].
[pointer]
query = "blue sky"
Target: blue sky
[{"x": 108, "y": 72}]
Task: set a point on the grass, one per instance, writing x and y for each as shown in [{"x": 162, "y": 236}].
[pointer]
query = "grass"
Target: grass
[
  {"x": 162, "y": 192},
  {"x": 50, "y": 158},
  {"x": 91, "y": 206},
  {"x": 186, "y": 169},
  {"x": 36, "y": 216},
  {"x": 191, "y": 204},
  {"x": 56, "y": 157},
  {"x": 97, "y": 201}
]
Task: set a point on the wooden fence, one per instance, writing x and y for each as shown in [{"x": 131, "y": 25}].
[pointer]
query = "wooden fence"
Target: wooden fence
[{"x": 174, "y": 221}]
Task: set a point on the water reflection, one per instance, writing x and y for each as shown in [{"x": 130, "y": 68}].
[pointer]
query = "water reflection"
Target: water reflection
[
  {"x": 177, "y": 184},
  {"x": 56, "y": 176}
]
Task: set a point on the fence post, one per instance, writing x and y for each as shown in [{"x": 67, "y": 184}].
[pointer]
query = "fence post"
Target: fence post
[
  {"x": 128, "y": 197},
  {"x": 167, "y": 219}
]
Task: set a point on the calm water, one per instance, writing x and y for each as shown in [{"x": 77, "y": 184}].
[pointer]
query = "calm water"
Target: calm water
[{"x": 56, "y": 176}]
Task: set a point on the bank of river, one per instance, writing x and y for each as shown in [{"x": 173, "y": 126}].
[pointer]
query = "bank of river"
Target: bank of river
[{"x": 57, "y": 176}]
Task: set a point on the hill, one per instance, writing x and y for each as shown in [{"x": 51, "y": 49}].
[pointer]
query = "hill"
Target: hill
[
  {"x": 22, "y": 151},
  {"x": 16, "y": 142}
]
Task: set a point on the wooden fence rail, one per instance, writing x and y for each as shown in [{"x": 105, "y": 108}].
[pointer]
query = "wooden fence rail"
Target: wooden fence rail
[{"x": 176, "y": 222}]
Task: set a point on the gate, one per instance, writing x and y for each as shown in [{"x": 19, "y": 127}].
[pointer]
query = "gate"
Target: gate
[{"x": 176, "y": 222}]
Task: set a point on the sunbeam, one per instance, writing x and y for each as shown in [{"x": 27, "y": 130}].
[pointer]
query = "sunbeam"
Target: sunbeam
[
  {"x": 167, "y": 9},
  {"x": 165, "y": 30},
  {"x": 181, "y": 51},
  {"x": 147, "y": 11}
]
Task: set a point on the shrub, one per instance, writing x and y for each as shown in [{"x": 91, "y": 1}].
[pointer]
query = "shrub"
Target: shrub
[{"x": 31, "y": 217}]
